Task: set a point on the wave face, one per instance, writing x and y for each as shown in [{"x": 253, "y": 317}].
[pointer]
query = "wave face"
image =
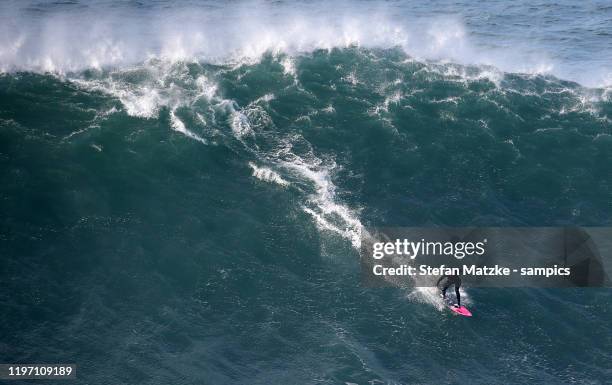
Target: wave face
[{"x": 196, "y": 218}]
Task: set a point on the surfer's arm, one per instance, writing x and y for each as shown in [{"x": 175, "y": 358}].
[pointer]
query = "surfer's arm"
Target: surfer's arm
[{"x": 440, "y": 280}]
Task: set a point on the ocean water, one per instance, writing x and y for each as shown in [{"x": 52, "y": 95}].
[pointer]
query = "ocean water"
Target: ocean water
[{"x": 184, "y": 186}]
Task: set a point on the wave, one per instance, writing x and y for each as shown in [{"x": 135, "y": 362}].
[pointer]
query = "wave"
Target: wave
[
  {"x": 245, "y": 35},
  {"x": 301, "y": 123},
  {"x": 98, "y": 37},
  {"x": 198, "y": 100}
]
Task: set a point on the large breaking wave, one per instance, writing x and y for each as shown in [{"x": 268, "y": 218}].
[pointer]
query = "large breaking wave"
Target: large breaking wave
[
  {"x": 81, "y": 35},
  {"x": 278, "y": 110}
]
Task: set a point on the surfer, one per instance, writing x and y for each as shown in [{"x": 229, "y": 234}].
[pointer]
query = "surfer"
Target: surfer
[{"x": 447, "y": 281}]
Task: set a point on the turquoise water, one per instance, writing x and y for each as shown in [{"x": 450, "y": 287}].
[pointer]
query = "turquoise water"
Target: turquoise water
[{"x": 184, "y": 186}]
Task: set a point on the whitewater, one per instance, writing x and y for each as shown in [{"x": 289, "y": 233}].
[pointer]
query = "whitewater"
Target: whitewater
[{"x": 35, "y": 35}]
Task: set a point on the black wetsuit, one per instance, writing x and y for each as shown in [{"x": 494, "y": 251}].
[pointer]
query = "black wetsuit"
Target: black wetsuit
[{"x": 448, "y": 281}]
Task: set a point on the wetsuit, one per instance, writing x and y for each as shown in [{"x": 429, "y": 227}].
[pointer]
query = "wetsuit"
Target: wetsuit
[{"x": 449, "y": 280}]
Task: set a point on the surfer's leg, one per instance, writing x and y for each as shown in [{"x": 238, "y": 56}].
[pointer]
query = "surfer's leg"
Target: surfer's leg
[
  {"x": 458, "y": 295},
  {"x": 444, "y": 288}
]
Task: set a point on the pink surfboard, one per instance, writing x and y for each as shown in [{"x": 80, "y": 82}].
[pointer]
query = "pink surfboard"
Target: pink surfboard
[{"x": 461, "y": 310}]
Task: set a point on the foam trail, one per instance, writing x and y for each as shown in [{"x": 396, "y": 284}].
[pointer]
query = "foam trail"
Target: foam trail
[
  {"x": 431, "y": 296},
  {"x": 267, "y": 175},
  {"x": 327, "y": 212},
  {"x": 179, "y": 126}
]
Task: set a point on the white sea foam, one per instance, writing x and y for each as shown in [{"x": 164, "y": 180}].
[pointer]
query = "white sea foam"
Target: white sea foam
[
  {"x": 97, "y": 147},
  {"x": 267, "y": 175},
  {"x": 179, "y": 126},
  {"x": 288, "y": 64},
  {"x": 351, "y": 78},
  {"x": 161, "y": 84},
  {"x": 240, "y": 124},
  {"x": 266, "y": 98},
  {"x": 431, "y": 296},
  {"x": 323, "y": 204},
  {"x": 98, "y": 36}
]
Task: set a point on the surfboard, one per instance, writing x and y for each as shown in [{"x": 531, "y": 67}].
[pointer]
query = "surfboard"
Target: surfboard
[{"x": 462, "y": 310}]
